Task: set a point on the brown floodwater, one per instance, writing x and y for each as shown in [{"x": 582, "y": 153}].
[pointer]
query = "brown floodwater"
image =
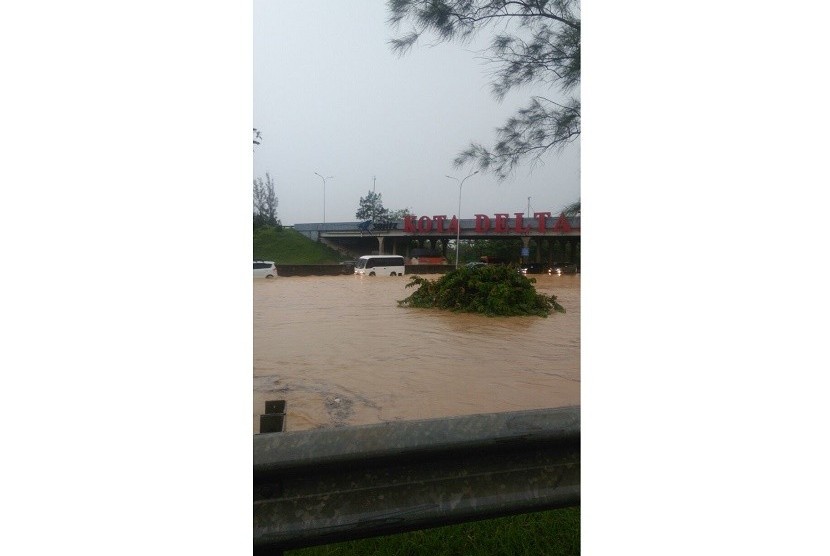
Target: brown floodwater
[{"x": 341, "y": 351}]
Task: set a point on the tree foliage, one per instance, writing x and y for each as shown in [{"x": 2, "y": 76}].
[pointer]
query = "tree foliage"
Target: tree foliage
[
  {"x": 508, "y": 249},
  {"x": 574, "y": 209},
  {"x": 265, "y": 202},
  {"x": 371, "y": 207},
  {"x": 493, "y": 290},
  {"x": 537, "y": 42},
  {"x": 400, "y": 214}
]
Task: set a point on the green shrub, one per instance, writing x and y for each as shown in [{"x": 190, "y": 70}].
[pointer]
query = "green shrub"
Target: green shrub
[{"x": 493, "y": 290}]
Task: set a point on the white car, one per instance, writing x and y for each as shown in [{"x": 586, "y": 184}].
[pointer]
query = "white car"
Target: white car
[{"x": 264, "y": 269}]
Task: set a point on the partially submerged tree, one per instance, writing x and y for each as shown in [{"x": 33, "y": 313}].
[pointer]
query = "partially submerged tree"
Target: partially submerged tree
[
  {"x": 493, "y": 290},
  {"x": 537, "y": 42},
  {"x": 265, "y": 202}
]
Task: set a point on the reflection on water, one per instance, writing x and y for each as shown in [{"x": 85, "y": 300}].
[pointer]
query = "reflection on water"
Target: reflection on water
[{"x": 340, "y": 351}]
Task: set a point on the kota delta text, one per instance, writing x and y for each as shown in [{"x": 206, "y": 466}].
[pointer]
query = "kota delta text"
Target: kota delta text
[{"x": 499, "y": 224}]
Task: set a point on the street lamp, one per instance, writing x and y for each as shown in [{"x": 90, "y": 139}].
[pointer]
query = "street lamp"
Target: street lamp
[
  {"x": 324, "y": 194},
  {"x": 458, "y": 229}
]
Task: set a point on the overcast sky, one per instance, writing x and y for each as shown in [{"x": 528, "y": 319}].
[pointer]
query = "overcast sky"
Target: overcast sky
[{"x": 331, "y": 97}]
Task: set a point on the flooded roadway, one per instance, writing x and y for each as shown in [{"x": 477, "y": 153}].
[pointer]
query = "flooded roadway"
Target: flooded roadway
[{"x": 340, "y": 351}]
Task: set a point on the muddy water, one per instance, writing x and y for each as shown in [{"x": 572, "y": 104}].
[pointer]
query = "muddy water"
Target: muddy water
[{"x": 340, "y": 351}]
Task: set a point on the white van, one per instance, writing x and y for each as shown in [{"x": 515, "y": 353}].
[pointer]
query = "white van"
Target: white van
[
  {"x": 381, "y": 265},
  {"x": 264, "y": 269}
]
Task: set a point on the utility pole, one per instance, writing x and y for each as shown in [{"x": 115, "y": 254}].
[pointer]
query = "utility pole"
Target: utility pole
[
  {"x": 458, "y": 216},
  {"x": 324, "y": 194}
]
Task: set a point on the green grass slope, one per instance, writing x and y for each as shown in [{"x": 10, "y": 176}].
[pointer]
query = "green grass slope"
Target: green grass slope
[
  {"x": 287, "y": 246},
  {"x": 550, "y": 533}
]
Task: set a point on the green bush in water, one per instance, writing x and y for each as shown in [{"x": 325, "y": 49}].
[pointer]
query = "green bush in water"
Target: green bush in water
[{"x": 493, "y": 290}]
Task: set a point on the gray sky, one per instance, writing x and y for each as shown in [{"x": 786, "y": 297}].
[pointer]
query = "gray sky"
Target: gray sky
[{"x": 331, "y": 97}]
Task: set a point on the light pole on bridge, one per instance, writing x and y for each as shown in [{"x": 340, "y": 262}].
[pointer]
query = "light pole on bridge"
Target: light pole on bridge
[
  {"x": 324, "y": 194},
  {"x": 458, "y": 217}
]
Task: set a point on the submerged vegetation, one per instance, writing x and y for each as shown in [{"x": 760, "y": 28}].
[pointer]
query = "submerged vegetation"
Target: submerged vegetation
[{"x": 493, "y": 290}]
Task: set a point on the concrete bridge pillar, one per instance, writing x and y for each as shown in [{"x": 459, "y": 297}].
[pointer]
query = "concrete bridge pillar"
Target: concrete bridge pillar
[
  {"x": 525, "y": 245},
  {"x": 380, "y": 245}
]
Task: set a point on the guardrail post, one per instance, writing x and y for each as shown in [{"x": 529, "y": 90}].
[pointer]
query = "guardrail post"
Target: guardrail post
[{"x": 273, "y": 420}]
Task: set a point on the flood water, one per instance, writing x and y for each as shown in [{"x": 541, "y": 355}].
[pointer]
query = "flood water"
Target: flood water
[{"x": 340, "y": 351}]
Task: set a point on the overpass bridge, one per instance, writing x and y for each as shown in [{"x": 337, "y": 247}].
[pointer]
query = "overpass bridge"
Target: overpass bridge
[{"x": 434, "y": 233}]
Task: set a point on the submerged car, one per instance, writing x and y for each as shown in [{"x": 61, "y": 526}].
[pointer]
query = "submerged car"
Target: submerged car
[
  {"x": 564, "y": 268},
  {"x": 553, "y": 268},
  {"x": 265, "y": 269},
  {"x": 536, "y": 268}
]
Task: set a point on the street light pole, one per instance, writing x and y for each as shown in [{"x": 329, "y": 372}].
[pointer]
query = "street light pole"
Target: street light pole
[
  {"x": 324, "y": 194},
  {"x": 458, "y": 218}
]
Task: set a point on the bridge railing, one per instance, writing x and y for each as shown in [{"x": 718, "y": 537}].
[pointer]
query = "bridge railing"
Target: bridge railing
[{"x": 330, "y": 485}]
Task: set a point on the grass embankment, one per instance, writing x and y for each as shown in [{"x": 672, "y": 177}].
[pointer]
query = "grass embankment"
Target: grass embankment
[
  {"x": 551, "y": 533},
  {"x": 287, "y": 246}
]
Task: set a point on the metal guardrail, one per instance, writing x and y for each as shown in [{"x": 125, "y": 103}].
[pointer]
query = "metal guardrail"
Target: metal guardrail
[{"x": 330, "y": 485}]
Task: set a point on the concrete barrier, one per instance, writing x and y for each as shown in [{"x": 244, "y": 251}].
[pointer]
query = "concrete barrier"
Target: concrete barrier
[
  {"x": 288, "y": 270},
  {"x": 313, "y": 269}
]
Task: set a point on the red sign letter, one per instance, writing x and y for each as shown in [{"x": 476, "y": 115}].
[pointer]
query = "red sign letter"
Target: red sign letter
[
  {"x": 453, "y": 225},
  {"x": 482, "y": 223},
  {"x": 562, "y": 225},
  {"x": 541, "y": 216},
  {"x": 424, "y": 224},
  {"x": 439, "y": 221},
  {"x": 408, "y": 223},
  {"x": 520, "y": 227},
  {"x": 501, "y": 222}
]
